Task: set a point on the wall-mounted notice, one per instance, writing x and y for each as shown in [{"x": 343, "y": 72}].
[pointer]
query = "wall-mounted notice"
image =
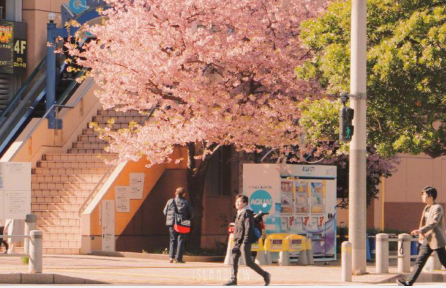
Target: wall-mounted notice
[
  {"x": 122, "y": 196},
  {"x": 108, "y": 225},
  {"x": 136, "y": 185},
  {"x": 15, "y": 190}
]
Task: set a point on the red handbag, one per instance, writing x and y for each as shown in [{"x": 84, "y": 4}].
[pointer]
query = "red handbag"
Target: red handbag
[{"x": 180, "y": 225}]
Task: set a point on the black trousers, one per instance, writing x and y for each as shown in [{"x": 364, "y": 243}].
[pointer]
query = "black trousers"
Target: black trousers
[
  {"x": 245, "y": 252},
  {"x": 423, "y": 255},
  {"x": 2, "y": 241}
]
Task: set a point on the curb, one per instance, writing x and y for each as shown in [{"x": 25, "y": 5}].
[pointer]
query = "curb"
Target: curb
[
  {"x": 158, "y": 256},
  {"x": 23, "y": 278}
]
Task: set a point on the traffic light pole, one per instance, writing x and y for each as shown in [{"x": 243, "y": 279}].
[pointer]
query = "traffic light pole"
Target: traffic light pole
[{"x": 357, "y": 172}]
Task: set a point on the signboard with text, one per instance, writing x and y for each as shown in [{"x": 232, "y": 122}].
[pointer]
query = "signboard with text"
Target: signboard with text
[
  {"x": 13, "y": 47},
  {"x": 15, "y": 190},
  {"x": 300, "y": 199}
]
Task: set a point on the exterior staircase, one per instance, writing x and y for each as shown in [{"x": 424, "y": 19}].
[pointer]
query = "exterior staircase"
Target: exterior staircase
[{"x": 62, "y": 182}]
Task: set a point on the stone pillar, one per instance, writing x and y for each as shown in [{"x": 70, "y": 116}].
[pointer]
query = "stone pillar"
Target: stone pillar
[
  {"x": 30, "y": 224},
  {"x": 35, "y": 252},
  {"x": 404, "y": 253},
  {"x": 346, "y": 261},
  {"x": 382, "y": 253}
]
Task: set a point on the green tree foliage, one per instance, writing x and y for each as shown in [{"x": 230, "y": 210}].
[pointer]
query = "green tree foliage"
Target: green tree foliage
[
  {"x": 320, "y": 120},
  {"x": 406, "y": 64}
]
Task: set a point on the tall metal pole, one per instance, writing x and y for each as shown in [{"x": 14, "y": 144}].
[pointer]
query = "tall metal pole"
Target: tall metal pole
[
  {"x": 50, "y": 73},
  {"x": 357, "y": 179}
]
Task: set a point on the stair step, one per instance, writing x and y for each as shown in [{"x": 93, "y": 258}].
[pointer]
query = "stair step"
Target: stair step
[
  {"x": 56, "y": 214},
  {"x": 61, "y": 193},
  {"x": 64, "y": 186},
  {"x": 104, "y": 112},
  {"x": 55, "y": 206},
  {"x": 68, "y": 171},
  {"x": 120, "y": 119},
  {"x": 74, "y": 164},
  {"x": 115, "y": 126},
  {"x": 86, "y": 151},
  {"x": 78, "y": 157},
  {"x": 68, "y": 236},
  {"x": 89, "y": 132},
  {"x": 78, "y": 178},
  {"x": 58, "y": 199},
  {"x": 59, "y": 229},
  {"x": 90, "y": 145},
  {"x": 90, "y": 139},
  {"x": 50, "y": 221}
]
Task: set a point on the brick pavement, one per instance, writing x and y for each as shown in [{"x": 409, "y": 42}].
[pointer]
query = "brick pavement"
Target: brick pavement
[{"x": 88, "y": 269}]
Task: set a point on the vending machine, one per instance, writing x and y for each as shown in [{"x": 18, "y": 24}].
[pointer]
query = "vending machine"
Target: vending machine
[{"x": 300, "y": 199}]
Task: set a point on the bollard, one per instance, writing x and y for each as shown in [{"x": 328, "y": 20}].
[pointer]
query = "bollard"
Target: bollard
[
  {"x": 303, "y": 256},
  {"x": 433, "y": 263},
  {"x": 268, "y": 258},
  {"x": 30, "y": 224},
  {"x": 404, "y": 253},
  {"x": 261, "y": 258},
  {"x": 382, "y": 253},
  {"x": 35, "y": 252},
  {"x": 346, "y": 261},
  {"x": 284, "y": 258},
  {"x": 309, "y": 248}
]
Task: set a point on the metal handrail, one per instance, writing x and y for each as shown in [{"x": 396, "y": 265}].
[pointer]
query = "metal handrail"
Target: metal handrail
[
  {"x": 22, "y": 88},
  {"x": 15, "y": 236},
  {"x": 46, "y": 114}
]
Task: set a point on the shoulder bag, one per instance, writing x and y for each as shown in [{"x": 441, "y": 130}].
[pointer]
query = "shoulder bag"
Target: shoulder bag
[{"x": 180, "y": 225}]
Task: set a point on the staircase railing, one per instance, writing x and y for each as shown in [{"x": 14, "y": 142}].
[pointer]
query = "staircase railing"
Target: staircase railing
[
  {"x": 55, "y": 106},
  {"x": 22, "y": 105}
]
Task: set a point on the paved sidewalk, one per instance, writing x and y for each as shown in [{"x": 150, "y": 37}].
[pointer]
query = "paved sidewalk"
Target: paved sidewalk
[{"x": 87, "y": 269}]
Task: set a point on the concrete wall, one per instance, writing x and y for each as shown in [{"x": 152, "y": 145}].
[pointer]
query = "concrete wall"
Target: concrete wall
[
  {"x": 399, "y": 205},
  {"x": 144, "y": 228},
  {"x": 44, "y": 139},
  {"x": 35, "y": 14}
]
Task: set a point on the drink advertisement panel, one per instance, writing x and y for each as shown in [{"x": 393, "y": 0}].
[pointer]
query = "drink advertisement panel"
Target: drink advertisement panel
[{"x": 300, "y": 199}]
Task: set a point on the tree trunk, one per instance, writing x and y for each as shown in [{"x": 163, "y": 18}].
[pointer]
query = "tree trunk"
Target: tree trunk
[
  {"x": 196, "y": 177},
  {"x": 196, "y": 194}
]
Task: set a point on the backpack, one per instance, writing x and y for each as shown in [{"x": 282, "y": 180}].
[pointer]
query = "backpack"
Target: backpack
[
  {"x": 255, "y": 235},
  {"x": 256, "y": 231}
]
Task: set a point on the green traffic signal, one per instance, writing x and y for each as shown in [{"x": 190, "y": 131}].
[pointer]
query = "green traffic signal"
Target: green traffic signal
[{"x": 346, "y": 128}]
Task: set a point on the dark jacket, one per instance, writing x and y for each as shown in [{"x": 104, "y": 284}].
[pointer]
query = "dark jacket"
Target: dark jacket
[
  {"x": 184, "y": 208},
  {"x": 244, "y": 227}
]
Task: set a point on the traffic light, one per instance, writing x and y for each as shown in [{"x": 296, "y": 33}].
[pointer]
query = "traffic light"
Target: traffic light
[{"x": 346, "y": 128}]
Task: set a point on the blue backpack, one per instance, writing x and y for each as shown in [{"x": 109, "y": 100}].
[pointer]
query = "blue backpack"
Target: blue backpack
[{"x": 256, "y": 234}]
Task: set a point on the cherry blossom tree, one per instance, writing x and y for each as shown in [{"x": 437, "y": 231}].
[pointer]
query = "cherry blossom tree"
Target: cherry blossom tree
[{"x": 213, "y": 72}]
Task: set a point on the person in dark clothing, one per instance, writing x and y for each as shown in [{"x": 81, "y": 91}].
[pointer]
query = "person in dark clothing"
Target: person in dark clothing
[
  {"x": 2, "y": 232},
  {"x": 184, "y": 208},
  {"x": 243, "y": 233}
]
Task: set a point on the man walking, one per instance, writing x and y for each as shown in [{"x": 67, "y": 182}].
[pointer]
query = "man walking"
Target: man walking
[
  {"x": 178, "y": 205},
  {"x": 431, "y": 232},
  {"x": 243, "y": 235}
]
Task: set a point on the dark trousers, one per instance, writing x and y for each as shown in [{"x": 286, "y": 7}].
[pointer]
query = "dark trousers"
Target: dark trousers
[
  {"x": 2, "y": 241},
  {"x": 245, "y": 252},
  {"x": 176, "y": 244},
  {"x": 423, "y": 255}
]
